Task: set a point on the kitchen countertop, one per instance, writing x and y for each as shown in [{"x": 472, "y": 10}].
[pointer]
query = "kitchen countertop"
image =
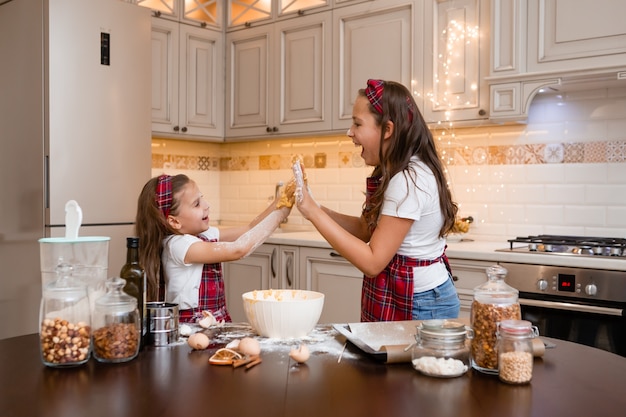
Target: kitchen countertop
[
  {"x": 570, "y": 380},
  {"x": 479, "y": 250}
]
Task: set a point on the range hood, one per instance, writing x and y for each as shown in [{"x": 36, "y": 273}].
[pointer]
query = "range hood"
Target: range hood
[{"x": 511, "y": 96}]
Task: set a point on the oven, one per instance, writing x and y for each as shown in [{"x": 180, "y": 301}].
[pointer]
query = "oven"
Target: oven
[{"x": 586, "y": 306}]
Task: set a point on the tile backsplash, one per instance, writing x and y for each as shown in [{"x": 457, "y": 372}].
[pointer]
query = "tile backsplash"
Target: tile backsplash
[{"x": 564, "y": 172}]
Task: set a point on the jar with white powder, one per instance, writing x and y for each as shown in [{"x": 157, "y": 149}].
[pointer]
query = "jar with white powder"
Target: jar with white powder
[{"x": 441, "y": 348}]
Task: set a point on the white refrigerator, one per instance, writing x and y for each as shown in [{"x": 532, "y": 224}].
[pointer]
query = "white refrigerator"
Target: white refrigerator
[{"x": 75, "y": 100}]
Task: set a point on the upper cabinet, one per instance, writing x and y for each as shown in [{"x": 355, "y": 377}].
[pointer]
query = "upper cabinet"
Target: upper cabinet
[
  {"x": 249, "y": 12},
  {"x": 457, "y": 60},
  {"x": 195, "y": 12},
  {"x": 279, "y": 78},
  {"x": 560, "y": 44},
  {"x": 187, "y": 81},
  {"x": 380, "y": 39},
  {"x": 567, "y": 35}
]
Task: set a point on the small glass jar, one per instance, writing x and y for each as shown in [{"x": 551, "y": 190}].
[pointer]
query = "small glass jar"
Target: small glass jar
[
  {"x": 494, "y": 301},
  {"x": 515, "y": 351},
  {"x": 116, "y": 324},
  {"x": 64, "y": 318},
  {"x": 441, "y": 348}
]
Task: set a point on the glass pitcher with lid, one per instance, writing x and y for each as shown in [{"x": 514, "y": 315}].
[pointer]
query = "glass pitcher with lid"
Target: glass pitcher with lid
[
  {"x": 494, "y": 301},
  {"x": 116, "y": 324},
  {"x": 64, "y": 317}
]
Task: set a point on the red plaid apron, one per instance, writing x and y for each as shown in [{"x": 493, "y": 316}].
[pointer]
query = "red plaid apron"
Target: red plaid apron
[
  {"x": 389, "y": 295},
  {"x": 211, "y": 294}
]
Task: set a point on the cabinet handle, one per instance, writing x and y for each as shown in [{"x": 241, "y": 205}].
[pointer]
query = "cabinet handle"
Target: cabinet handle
[
  {"x": 455, "y": 278},
  {"x": 482, "y": 112},
  {"x": 289, "y": 270},
  {"x": 272, "y": 263},
  {"x": 176, "y": 128},
  {"x": 274, "y": 129},
  {"x": 184, "y": 129},
  {"x": 335, "y": 255},
  {"x": 268, "y": 129}
]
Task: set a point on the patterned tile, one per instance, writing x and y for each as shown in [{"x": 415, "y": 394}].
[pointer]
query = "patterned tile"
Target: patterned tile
[
  {"x": 616, "y": 151},
  {"x": 573, "y": 153},
  {"x": 594, "y": 152}
]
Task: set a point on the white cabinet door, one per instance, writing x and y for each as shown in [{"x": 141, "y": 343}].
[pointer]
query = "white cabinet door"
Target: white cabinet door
[
  {"x": 248, "y": 60},
  {"x": 201, "y": 88},
  {"x": 467, "y": 275},
  {"x": 325, "y": 271},
  {"x": 381, "y": 39},
  {"x": 248, "y": 274},
  {"x": 566, "y": 35},
  {"x": 303, "y": 78},
  {"x": 457, "y": 60},
  {"x": 165, "y": 42},
  {"x": 187, "y": 81},
  {"x": 279, "y": 78}
]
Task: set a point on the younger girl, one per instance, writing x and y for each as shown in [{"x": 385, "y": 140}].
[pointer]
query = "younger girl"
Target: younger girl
[
  {"x": 398, "y": 241},
  {"x": 173, "y": 227}
]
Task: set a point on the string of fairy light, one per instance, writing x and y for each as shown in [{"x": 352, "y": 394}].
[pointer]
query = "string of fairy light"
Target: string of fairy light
[{"x": 455, "y": 37}]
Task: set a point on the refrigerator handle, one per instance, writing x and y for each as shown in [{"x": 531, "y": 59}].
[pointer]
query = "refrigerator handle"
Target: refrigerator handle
[{"x": 46, "y": 181}]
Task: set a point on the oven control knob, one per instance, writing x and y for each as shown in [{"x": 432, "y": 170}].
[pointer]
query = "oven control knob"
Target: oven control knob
[
  {"x": 591, "y": 289},
  {"x": 542, "y": 284}
]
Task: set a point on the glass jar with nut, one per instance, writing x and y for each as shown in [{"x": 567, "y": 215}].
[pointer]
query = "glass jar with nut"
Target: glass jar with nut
[
  {"x": 515, "y": 351},
  {"x": 116, "y": 324},
  {"x": 494, "y": 301},
  {"x": 64, "y": 317}
]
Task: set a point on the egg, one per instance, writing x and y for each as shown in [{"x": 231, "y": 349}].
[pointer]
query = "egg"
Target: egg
[
  {"x": 249, "y": 346},
  {"x": 198, "y": 341},
  {"x": 300, "y": 354}
]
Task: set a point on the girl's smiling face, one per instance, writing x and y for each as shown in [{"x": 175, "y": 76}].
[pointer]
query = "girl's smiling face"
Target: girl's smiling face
[
  {"x": 365, "y": 132},
  {"x": 192, "y": 216}
]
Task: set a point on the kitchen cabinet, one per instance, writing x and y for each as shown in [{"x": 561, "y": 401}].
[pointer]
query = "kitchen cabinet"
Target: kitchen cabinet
[
  {"x": 539, "y": 44},
  {"x": 248, "y": 12},
  {"x": 325, "y": 271},
  {"x": 197, "y": 12},
  {"x": 576, "y": 35},
  {"x": 381, "y": 39},
  {"x": 279, "y": 78},
  {"x": 467, "y": 275},
  {"x": 268, "y": 267},
  {"x": 457, "y": 60},
  {"x": 187, "y": 81}
]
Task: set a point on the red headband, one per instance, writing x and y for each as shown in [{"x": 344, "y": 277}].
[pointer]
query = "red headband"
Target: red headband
[
  {"x": 163, "y": 197},
  {"x": 374, "y": 93}
]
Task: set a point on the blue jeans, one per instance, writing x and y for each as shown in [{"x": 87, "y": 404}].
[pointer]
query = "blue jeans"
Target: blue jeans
[{"x": 441, "y": 302}]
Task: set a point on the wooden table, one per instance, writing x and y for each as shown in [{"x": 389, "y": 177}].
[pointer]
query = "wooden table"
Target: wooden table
[{"x": 571, "y": 380}]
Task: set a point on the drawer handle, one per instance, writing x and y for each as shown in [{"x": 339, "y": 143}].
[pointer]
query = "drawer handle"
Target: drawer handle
[
  {"x": 455, "y": 278},
  {"x": 335, "y": 255}
]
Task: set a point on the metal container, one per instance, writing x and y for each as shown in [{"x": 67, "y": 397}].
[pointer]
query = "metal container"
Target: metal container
[{"x": 162, "y": 323}]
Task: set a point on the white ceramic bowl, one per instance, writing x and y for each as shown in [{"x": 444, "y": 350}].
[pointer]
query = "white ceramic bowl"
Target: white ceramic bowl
[{"x": 283, "y": 314}]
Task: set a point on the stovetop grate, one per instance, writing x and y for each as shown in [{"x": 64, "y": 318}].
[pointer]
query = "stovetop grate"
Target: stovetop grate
[{"x": 556, "y": 243}]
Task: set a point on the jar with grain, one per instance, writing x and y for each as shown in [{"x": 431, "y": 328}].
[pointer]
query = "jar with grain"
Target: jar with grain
[
  {"x": 64, "y": 318},
  {"x": 116, "y": 324},
  {"x": 441, "y": 348},
  {"x": 515, "y": 351},
  {"x": 494, "y": 301}
]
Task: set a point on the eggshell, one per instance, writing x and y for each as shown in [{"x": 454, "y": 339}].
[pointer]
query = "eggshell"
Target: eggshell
[
  {"x": 249, "y": 346},
  {"x": 300, "y": 354},
  {"x": 198, "y": 341}
]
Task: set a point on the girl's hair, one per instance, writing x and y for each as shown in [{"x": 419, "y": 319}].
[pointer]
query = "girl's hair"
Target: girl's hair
[
  {"x": 152, "y": 227},
  {"x": 411, "y": 137}
]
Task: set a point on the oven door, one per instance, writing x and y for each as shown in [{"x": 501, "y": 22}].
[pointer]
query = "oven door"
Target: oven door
[{"x": 603, "y": 327}]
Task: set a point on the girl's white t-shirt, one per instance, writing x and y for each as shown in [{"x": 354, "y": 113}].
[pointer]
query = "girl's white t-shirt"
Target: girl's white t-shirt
[
  {"x": 413, "y": 194},
  {"x": 182, "y": 280}
]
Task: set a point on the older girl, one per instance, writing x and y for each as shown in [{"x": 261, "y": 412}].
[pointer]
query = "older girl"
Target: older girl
[{"x": 398, "y": 242}]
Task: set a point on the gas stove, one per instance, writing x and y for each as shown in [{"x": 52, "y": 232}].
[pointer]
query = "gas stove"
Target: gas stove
[{"x": 570, "y": 245}]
